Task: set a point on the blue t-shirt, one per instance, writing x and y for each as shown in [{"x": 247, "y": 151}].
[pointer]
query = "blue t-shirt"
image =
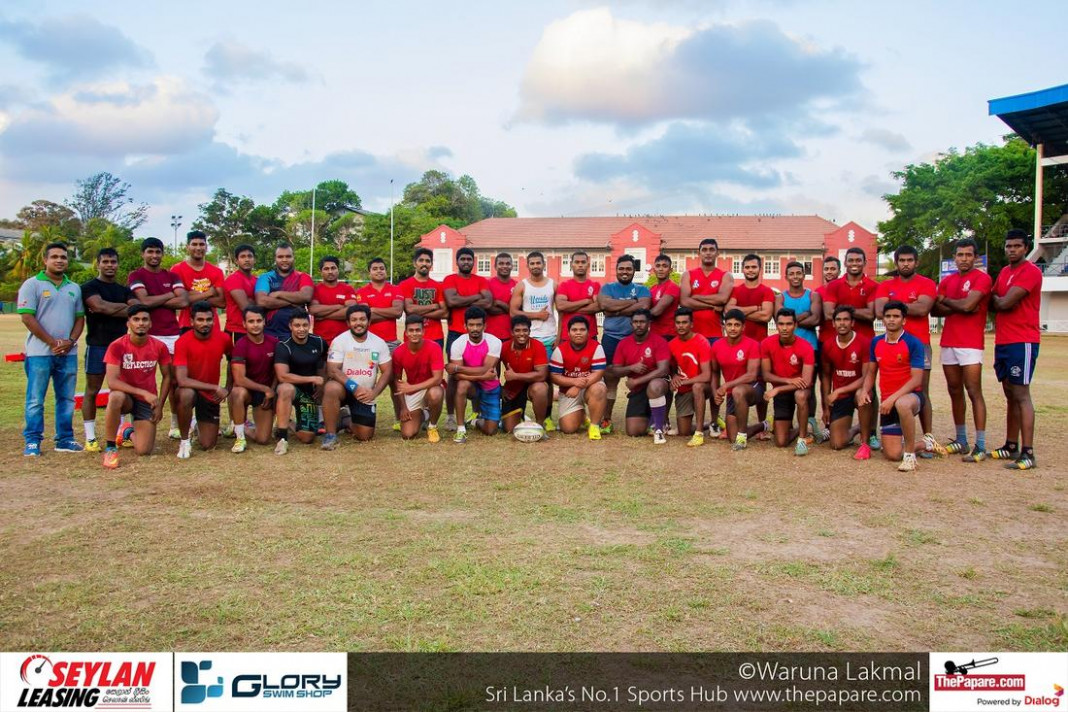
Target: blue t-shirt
[
  {"x": 800, "y": 305},
  {"x": 619, "y": 326}
]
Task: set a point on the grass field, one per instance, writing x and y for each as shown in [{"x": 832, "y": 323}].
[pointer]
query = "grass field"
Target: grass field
[{"x": 566, "y": 545}]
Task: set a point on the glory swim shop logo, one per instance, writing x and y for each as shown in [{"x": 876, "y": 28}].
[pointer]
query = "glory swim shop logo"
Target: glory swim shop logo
[
  {"x": 285, "y": 685},
  {"x": 84, "y": 683},
  {"x": 193, "y": 691}
]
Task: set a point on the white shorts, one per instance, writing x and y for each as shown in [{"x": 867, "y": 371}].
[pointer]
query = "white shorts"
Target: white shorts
[
  {"x": 955, "y": 356},
  {"x": 169, "y": 342},
  {"x": 415, "y": 401},
  {"x": 568, "y": 405}
]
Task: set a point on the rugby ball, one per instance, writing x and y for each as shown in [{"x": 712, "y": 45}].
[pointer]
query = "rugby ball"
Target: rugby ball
[{"x": 528, "y": 432}]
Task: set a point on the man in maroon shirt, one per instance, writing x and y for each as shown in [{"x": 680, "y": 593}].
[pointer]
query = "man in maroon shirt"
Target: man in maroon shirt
[{"x": 252, "y": 363}]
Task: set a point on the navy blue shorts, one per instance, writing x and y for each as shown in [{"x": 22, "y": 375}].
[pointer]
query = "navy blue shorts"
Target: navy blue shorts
[
  {"x": 362, "y": 414},
  {"x": 609, "y": 344},
  {"x": 890, "y": 424},
  {"x": 94, "y": 360},
  {"x": 1015, "y": 363}
]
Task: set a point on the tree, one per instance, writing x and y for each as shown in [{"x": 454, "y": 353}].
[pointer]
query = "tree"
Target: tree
[
  {"x": 225, "y": 220},
  {"x": 44, "y": 213},
  {"x": 453, "y": 202},
  {"x": 104, "y": 195}
]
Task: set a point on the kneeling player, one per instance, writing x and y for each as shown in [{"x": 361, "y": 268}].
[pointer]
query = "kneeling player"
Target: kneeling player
[
  {"x": 787, "y": 364},
  {"x": 198, "y": 358},
  {"x": 252, "y": 367},
  {"x": 736, "y": 378},
  {"x": 845, "y": 364},
  {"x": 577, "y": 366},
  {"x": 472, "y": 365},
  {"x": 131, "y": 363},
  {"x": 644, "y": 359},
  {"x": 418, "y": 369},
  {"x": 691, "y": 358},
  {"x": 359, "y": 367},
  {"x": 300, "y": 367},
  {"x": 526, "y": 371},
  {"x": 898, "y": 359}
]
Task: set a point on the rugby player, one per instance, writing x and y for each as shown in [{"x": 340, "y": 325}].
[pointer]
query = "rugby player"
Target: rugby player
[
  {"x": 577, "y": 366},
  {"x": 736, "y": 378},
  {"x": 198, "y": 357},
  {"x": 691, "y": 357},
  {"x": 788, "y": 365},
  {"x": 202, "y": 280},
  {"x": 462, "y": 290},
  {"x": 618, "y": 300},
  {"x": 472, "y": 364},
  {"x": 664, "y": 298},
  {"x": 706, "y": 290},
  {"x": 526, "y": 372},
  {"x": 254, "y": 381},
  {"x": 753, "y": 298},
  {"x": 330, "y": 300},
  {"x": 300, "y": 369},
  {"x": 385, "y": 300},
  {"x": 535, "y": 298},
  {"x": 578, "y": 295},
  {"x": 418, "y": 370},
  {"x": 283, "y": 292},
  {"x": 358, "y": 368},
  {"x": 845, "y": 362},
  {"x": 808, "y": 307},
  {"x": 240, "y": 290},
  {"x": 832, "y": 269},
  {"x": 644, "y": 359}
]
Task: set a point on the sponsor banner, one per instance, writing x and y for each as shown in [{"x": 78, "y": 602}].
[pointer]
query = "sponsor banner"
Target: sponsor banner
[
  {"x": 964, "y": 681},
  {"x": 99, "y": 681},
  {"x": 260, "y": 682}
]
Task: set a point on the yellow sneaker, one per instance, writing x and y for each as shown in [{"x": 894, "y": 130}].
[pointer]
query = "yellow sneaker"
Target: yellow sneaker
[
  {"x": 697, "y": 440},
  {"x": 92, "y": 446},
  {"x": 432, "y": 435},
  {"x": 550, "y": 427},
  {"x": 396, "y": 427},
  {"x": 595, "y": 432}
]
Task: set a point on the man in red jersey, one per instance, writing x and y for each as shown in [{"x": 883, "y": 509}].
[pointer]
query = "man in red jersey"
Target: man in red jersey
[
  {"x": 578, "y": 296},
  {"x": 918, "y": 294},
  {"x": 197, "y": 359},
  {"x": 385, "y": 300},
  {"x": 462, "y": 289},
  {"x": 424, "y": 297},
  {"x": 832, "y": 269},
  {"x": 665, "y": 298},
  {"x": 498, "y": 321},
  {"x": 644, "y": 359},
  {"x": 418, "y": 369},
  {"x": 131, "y": 362},
  {"x": 330, "y": 300},
  {"x": 202, "y": 279},
  {"x": 577, "y": 366},
  {"x": 788, "y": 364},
  {"x": 736, "y": 378},
  {"x": 1017, "y": 331},
  {"x": 240, "y": 290},
  {"x": 526, "y": 372},
  {"x": 691, "y": 358},
  {"x": 845, "y": 361},
  {"x": 753, "y": 298},
  {"x": 898, "y": 362},
  {"x": 963, "y": 299},
  {"x": 254, "y": 381}
]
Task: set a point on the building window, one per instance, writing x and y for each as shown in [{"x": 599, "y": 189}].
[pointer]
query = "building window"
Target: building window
[
  {"x": 736, "y": 266},
  {"x": 484, "y": 264},
  {"x": 565, "y": 265},
  {"x": 772, "y": 266},
  {"x": 807, "y": 262},
  {"x": 597, "y": 268}
]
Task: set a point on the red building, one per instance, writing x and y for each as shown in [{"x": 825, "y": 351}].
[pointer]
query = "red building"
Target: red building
[{"x": 777, "y": 239}]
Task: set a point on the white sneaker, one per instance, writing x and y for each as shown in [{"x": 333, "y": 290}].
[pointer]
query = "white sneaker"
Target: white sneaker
[
  {"x": 672, "y": 431},
  {"x": 908, "y": 463},
  {"x": 282, "y": 447},
  {"x": 658, "y": 438},
  {"x": 185, "y": 450}
]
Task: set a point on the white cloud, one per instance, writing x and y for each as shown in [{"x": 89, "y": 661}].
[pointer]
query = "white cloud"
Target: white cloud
[
  {"x": 230, "y": 62},
  {"x": 885, "y": 138}
]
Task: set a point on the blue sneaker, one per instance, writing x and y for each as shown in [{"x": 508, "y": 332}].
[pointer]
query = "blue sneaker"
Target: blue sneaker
[
  {"x": 32, "y": 450},
  {"x": 69, "y": 446}
]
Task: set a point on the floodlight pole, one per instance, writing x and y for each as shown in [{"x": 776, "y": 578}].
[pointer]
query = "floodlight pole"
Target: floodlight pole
[
  {"x": 391, "y": 231},
  {"x": 311, "y": 257},
  {"x": 1038, "y": 194}
]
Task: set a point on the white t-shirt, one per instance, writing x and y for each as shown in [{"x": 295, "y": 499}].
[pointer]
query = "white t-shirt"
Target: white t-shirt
[
  {"x": 360, "y": 360},
  {"x": 535, "y": 299}
]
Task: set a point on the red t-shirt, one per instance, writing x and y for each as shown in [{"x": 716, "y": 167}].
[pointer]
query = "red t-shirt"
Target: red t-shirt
[
  {"x": 258, "y": 358},
  {"x": 859, "y": 296},
  {"x": 575, "y": 363},
  {"x": 500, "y": 325},
  {"x": 847, "y": 362},
  {"x": 521, "y": 361},
  {"x": 340, "y": 293},
  {"x": 909, "y": 292},
  {"x": 965, "y": 331},
  {"x": 1021, "y": 324},
  {"x": 203, "y": 359},
  {"x": 665, "y": 323},
  {"x": 787, "y": 361},
  {"x": 425, "y": 294},
  {"x": 418, "y": 366},
  {"x": 746, "y": 296},
  {"x": 381, "y": 299},
  {"x": 687, "y": 357},
  {"x": 465, "y": 287},
  {"x": 574, "y": 291},
  {"x": 826, "y": 329},
  {"x": 629, "y": 352},
  {"x": 198, "y": 282},
  {"x": 706, "y": 322},
  {"x": 895, "y": 361},
  {"x": 733, "y": 359},
  {"x": 238, "y": 282},
  {"x": 137, "y": 364},
  {"x": 164, "y": 322}
]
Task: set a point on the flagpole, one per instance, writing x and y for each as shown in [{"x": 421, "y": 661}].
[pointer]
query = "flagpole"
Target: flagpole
[{"x": 391, "y": 231}]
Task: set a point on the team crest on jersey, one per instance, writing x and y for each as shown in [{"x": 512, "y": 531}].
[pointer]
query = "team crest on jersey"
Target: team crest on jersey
[
  {"x": 714, "y": 285},
  {"x": 584, "y": 360},
  {"x": 648, "y": 352},
  {"x": 46, "y": 294},
  {"x": 968, "y": 286},
  {"x": 900, "y": 358},
  {"x": 740, "y": 355},
  {"x": 374, "y": 356},
  {"x": 793, "y": 359},
  {"x": 853, "y": 357},
  {"x": 696, "y": 283}
]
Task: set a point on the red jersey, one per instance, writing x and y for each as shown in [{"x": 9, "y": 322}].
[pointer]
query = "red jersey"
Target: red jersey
[
  {"x": 238, "y": 282},
  {"x": 665, "y": 323},
  {"x": 895, "y": 361},
  {"x": 651, "y": 351},
  {"x": 965, "y": 331},
  {"x": 733, "y": 359},
  {"x": 258, "y": 359},
  {"x": 847, "y": 362},
  {"x": 425, "y": 294},
  {"x": 746, "y": 296},
  {"x": 687, "y": 357},
  {"x": 164, "y": 322},
  {"x": 198, "y": 282},
  {"x": 137, "y": 364},
  {"x": 1021, "y": 324},
  {"x": 521, "y": 361},
  {"x": 465, "y": 287},
  {"x": 706, "y": 322},
  {"x": 340, "y": 293},
  {"x": 859, "y": 296},
  {"x": 575, "y": 291},
  {"x": 575, "y": 363},
  {"x": 385, "y": 329},
  {"x": 909, "y": 291},
  {"x": 826, "y": 328},
  {"x": 418, "y": 366},
  {"x": 203, "y": 359},
  {"x": 500, "y": 325},
  {"x": 787, "y": 361}
]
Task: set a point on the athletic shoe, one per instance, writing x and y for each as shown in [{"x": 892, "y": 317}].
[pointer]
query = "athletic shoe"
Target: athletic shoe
[
  {"x": 185, "y": 450},
  {"x": 874, "y": 444},
  {"x": 932, "y": 445},
  {"x": 586, "y": 422},
  {"x": 714, "y": 431},
  {"x": 825, "y": 434},
  {"x": 956, "y": 447},
  {"x": 126, "y": 437},
  {"x": 976, "y": 455},
  {"x": 175, "y": 434},
  {"x": 322, "y": 428},
  {"x": 741, "y": 442},
  {"x": 814, "y": 428},
  {"x": 1025, "y": 461},
  {"x": 450, "y": 423},
  {"x": 460, "y": 437},
  {"x": 432, "y": 435},
  {"x": 605, "y": 428},
  {"x": 863, "y": 452},
  {"x": 240, "y": 445},
  {"x": 764, "y": 434},
  {"x": 658, "y": 438},
  {"x": 92, "y": 445},
  {"x": 924, "y": 455},
  {"x": 396, "y": 427},
  {"x": 282, "y": 447},
  {"x": 908, "y": 463},
  {"x": 594, "y": 432},
  {"x": 697, "y": 440},
  {"x": 721, "y": 423},
  {"x": 549, "y": 426},
  {"x": 672, "y": 431},
  {"x": 801, "y": 449},
  {"x": 111, "y": 458},
  {"x": 329, "y": 442},
  {"x": 1004, "y": 453},
  {"x": 32, "y": 450},
  {"x": 69, "y": 446},
  {"x": 228, "y": 431}
]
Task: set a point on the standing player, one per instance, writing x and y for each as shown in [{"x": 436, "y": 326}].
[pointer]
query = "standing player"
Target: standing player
[
  {"x": 201, "y": 279},
  {"x": 283, "y": 292},
  {"x": 131, "y": 362},
  {"x": 252, "y": 363},
  {"x": 358, "y": 369},
  {"x": 473, "y": 360},
  {"x": 619, "y": 300},
  {"x": 498, "y": 319},
  {"x": 526, "y": 371},
  {"x": 753, "y": 298},
  {"x": 418, "y": 370},
  {"x": 162, "y": 292},
  {"x": 664, "y": 298},
  {"x": 462, "y": 290},
  {"x": 963, "y": 299},
  {"x": 832, "y": 269},
  {"x": 898, "y": 362},
  {"x": 424, "y": 297},
  {"x": 706, "y": 290},
  {"x": 578, "y": 296},
  {"x": 808, "y": 307},
  {"x": 691, "y": 358},
  {"x": 736, "y": 378},
  {"x": 788, "y": 364},
  {"x": 106, "y": 303},
  {"x": 1017, "y": 331},
  {"x": 197, "y": 359},
  {"x": 385, "y": 300},
  {"x": 300, "y": 368},
  {"x": 644, "y": 359},
  {"x": 331, "y": 298},
  {"x": 845, "y": 362},
  {"x": 918, "y": 294},
  {"x": 577, "y": 366},
  {"x": 534, "y": 298},
  {"x": 240, "y": 290}
]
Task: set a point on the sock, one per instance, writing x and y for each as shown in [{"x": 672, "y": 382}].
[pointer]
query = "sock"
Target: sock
[
  {"x": 659, "y": 408},
  {"x": 432, "y": 426},
  {"x": 174, "y": 421},
  {"x": 461, "y": 428},
  {"x": 90, "y": 429},
  {"x": 184, "y": 442},
  {"x": 1009, "y": 445},
  {"x": 320, "y": 414},
  {"x": 980, "y": 439},
  {"x": 962, "y": 434},
  {"x": 281, "y": 433},
  {"x": 611, "y": 407},
  {"x": 239, "y": 431},
  {"x": 112, "y": 445},
  {"x": 1029, "y": 451}
]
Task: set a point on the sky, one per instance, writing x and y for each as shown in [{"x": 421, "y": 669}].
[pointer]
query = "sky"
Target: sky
[{"x": 559, "y": 107}]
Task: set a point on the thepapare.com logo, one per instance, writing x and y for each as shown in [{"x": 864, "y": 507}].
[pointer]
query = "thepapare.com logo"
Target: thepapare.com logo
[
  {"x": 84, "y": 683},
  {"x": 200, "y": 684}
]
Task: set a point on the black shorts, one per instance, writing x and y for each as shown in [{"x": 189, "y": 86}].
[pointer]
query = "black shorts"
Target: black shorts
[
  {"x": 235, "y": 337},
  {"x": 843, "y": 407},
  {"x": 256, "y": 398},
  {"x": 141, "y": 410},
  {"x": 891, "y": 422},
  {"x": 516, "y": 405},
  {"x": 205, "y": 409},
  {"x": 638, "y": 404},
  {"x": 362, "y": 414},
  {"x": 758, "y": 389},
  {"x": 307, "y": 412},
  {"x": 453, "y": 336},
  {"x": 783, "y": 405}
]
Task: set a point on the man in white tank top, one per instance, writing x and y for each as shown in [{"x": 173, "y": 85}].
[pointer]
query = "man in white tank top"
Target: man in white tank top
[{"x": 535, "y": 298}]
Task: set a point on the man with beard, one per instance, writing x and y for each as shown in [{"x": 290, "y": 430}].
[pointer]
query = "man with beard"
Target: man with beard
[
  {"x": 619, "y": 300},
  {"x": 526, "y": 370},
  {"x": 577, "y": 366},
  {"x": 845, "y": 361},
  {"x": 462, "y": 290},
  {"x": 359, "y": 367},
  {"x": 252, "y": 364},
  {"x": 385, "y": 300},
  {"x": 300, "y": 368},
  {"x": 501, "y": 286},
  {"x": 418, "y": 369},
  {"x": 736, "y": 379},
  {"x": 472, "y": 364},
  {"x": 643, "y": 358},
  {"x": 330, "y": 300},
  {"x": 534, "y": 298},
  {"x": 202, "y": 280},
  {"x": 788, "y": 364},
  {"x": 578, "y": 296},
  {"x": 283, "y": 292},
  {"x": 197, "y": 359},
  {"x": 832, "y": 269},
  {"x": 240, "y": 290},
  {"x": 424, "y": 297}
]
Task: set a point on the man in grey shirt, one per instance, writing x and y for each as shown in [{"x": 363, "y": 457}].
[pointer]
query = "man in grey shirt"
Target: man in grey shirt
[{"x": 51, "y": 308}]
